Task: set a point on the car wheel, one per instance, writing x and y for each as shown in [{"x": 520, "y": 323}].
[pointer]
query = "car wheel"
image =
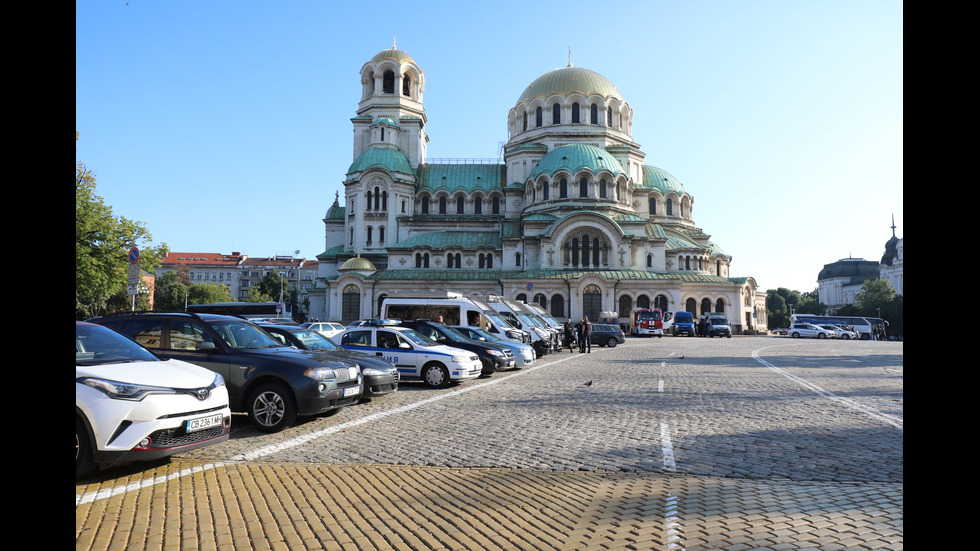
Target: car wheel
[
  {"x": 84, "y": 464},
  {"x": 271, "y": 407},
  {"x": 821, "y": 335},
  {"x": 435, "y": 375},
  {"x": 845, "y": 337},
  {"x": 795, "y": 335},
  {"x": 612, "y": 343}
]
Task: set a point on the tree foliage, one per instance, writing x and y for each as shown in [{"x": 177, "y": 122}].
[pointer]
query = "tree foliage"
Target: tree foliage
[
  {"x": 102, "y": 241},
  {"x": 207, "y": 293}
]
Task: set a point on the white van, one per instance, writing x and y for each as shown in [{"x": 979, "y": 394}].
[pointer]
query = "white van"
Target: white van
[
  {"x": 545, "y": 339},
  {"x": 455, "y": 309}
]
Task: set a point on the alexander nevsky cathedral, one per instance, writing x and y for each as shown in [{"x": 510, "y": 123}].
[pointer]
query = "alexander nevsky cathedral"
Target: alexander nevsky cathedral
[{"x": 571, "y": 219}]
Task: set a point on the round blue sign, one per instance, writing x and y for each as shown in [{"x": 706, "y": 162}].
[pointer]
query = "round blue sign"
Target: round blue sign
[{"x": 134, "y": 255}]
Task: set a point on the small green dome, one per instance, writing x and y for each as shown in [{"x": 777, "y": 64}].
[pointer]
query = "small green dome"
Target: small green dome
[
  {"x": 574, "y": 157},
  {"x": 390, "y": 160},
  {"x": 655, "y": 178},
  {"x": 567, "y": 80}
]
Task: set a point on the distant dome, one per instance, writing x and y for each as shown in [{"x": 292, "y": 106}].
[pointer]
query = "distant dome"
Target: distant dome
[
  {"x": 387, "y": 159},
  {"x": 358, "y": 264},
  {"x": 393, "y": 54},
  {"x": 567, "y": 80},
  {"x": 656, "y": 178},
  {"x": 575, "y": 157}
]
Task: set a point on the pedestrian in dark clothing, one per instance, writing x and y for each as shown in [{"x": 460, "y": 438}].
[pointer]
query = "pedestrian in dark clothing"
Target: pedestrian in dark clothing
[
  {"x": 569, "y": 334},
  {"x": 585, "y": 336}
]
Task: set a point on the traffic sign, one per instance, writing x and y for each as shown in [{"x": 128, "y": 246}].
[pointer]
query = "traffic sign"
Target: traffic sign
[{"x": 134, "y": 255}]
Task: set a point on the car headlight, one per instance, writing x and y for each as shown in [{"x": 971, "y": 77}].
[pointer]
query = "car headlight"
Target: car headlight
[
  {"x": 375, "y": 372},
  {"x": 460, "y": 358},
  {"x": 495, "y": 352},
  {"x": 514, "y": 335},
  {"x": 320, "y": 373},
  {"x": 219, "y": 381},
  {"x": 123, "y": 391}
]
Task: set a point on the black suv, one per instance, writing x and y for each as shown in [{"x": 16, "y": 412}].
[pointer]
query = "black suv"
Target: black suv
[
  {"x": 270, "y": 382},
  {"x": 494, "y": 357},
  {"x": 380, "y": 377}
]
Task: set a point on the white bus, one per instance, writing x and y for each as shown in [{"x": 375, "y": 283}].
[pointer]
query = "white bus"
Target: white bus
[{"x": 863, "y": 326}]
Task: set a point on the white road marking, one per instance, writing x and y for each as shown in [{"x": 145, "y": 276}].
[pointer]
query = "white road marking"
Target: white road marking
[{"x": 871, "y": 412}]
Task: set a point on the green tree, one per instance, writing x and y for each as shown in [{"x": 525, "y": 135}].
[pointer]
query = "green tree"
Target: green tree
[
  {"x": 102, "y": 241},
  {"x": 874, "y": 294},
  {"x": 255, "y": 295},
  {"x": 170, "y": 292},
  {"x": 271, "y": 285},
  {"x": 207, "y": 293},
  {"x": 777, "y": 313}
]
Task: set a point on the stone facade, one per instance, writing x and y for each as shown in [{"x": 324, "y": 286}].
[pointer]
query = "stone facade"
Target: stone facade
[{"x": 571, "y": 219}]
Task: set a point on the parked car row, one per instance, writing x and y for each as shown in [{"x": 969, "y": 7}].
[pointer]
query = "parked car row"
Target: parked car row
[
  {"x": 137, "y": 376},
  {"x": 819, "y": 331}
]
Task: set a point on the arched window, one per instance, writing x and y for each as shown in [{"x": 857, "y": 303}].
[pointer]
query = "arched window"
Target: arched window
[
  {"x": 425, "y": 205},
  {"x": 643, "y": 301},
  {"x": 425, "y": 260},
  {"x": 705, "y": 305},
  {"x": 653, "y": 205},
  {"x": 388, "y": 82},
  {"x": 649, "y": 261},
  {"x": 537, "y": 117},
  {"x": 406, "y": 85},
  {"x": 720, "y": 306},
  {"x": 478, "y": 205},
  {"x": 670, "y": 207},
  {"x": 517, "y": 259},
  {"x": 418, "y": 260},
  {"x": 489, "y": 260},
  {"x": 522, "y": 298},
  {"x": 369, "y": 195},
  {"x": 459, "y": 205},
  {"x": 718, "y": 267},
  {"x": 351, "y": 241},
  {"x": 660, "y": 302},
  {"x": 602, "y": 188},
  {"x": 546, "y": 191},
  {"x": 442, "y": 205},
  {"x": 495, "y": 206},
  {"x": 377, "y": 198},
  {"x": 384, "y": 201},
  {"x": 557, "y": 306},
  {"x": 556, "y": 114},
  {"x": 563, "y": 188},
  {"x": 575, "y": 113},
  {"x": 541, "y": 300},
  {"x": 585, "y": 249},
  {"x": 691, "y": 306},
  {"x": 449, "y": 260},
  {"x": 381, "y": 234},
  {"x": 594, "y": 114},
  {"x": 382, "y": 133},
  {"x": 525, "y": 120},
  {"x": 625, "y": 305},
  {"x": 583, "y": 188},
  {"x": 369, "y": 230},
  {"x": 482, "y": 261},
  {"x": 351, "y": 304},
  {"x": 609, "y": 116}
]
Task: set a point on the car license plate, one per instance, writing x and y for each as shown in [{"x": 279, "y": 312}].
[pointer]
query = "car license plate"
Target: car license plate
[
  {"x": 202, "y": 423},
  {"x": 352, "y": 391}
]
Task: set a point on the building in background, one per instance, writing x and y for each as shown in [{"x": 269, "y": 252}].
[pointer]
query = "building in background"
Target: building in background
[
  {"x": 572, "y": 217},
  {"x": 838, "y": 283}
]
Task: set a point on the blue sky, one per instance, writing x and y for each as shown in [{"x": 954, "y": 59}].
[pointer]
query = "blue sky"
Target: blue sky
[{"x": 224, "y": 125}]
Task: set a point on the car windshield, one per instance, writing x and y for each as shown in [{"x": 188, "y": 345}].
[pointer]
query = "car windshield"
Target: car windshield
[
  {"x": 416, "y": 338},
  {"x": 240, "y": 335},
  {"x": 313, "y": 340},
  {"x": 97, "y": 345}
]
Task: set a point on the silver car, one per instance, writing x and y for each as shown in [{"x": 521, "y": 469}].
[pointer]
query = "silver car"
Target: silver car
[{"x": 523, "y": 353}]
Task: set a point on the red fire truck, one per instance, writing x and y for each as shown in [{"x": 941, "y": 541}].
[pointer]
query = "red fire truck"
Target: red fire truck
[{"x": 648, "y": 322}]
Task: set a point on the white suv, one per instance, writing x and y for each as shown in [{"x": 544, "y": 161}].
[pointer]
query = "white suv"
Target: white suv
[
  {"x": 131, "y": 405},
  {"x": 328, "y": 329},
  {"x": 414, "y": 355},
  {"x": 808, "y": 330}
]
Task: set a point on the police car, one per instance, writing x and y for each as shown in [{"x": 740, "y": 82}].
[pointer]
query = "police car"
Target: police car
[{"x": 412, "y": 354}]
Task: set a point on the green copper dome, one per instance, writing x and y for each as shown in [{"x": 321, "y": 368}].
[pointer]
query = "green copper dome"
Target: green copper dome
[
  {"x": 656, "y": 178},
  {"x": 567, "y": 80},
  {"x": 574, "y": 157},
  {"x": 390, "y": 160}
]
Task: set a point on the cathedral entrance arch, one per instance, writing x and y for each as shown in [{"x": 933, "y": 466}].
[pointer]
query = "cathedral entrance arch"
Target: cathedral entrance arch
[
  {"x": 351, "y": 304},
  {"x": 592, "y": 302}
]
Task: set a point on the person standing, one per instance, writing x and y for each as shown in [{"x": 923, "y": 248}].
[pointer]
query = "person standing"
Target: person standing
[
  {"x": 569, "y": 334},
  {"x": 585, "y": 336}
]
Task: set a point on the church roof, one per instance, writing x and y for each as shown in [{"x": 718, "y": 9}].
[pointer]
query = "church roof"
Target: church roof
[
  {"x": 568, "y": 80},
  {"x": 393, "y": 54},
  {"x": 574, "y": 157},
  {"x": 466, "y": 177},
  {"x": 656, "y": 178},
  {"x": 466, "y": 240},
  {"x": 387, "y": 159}
]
